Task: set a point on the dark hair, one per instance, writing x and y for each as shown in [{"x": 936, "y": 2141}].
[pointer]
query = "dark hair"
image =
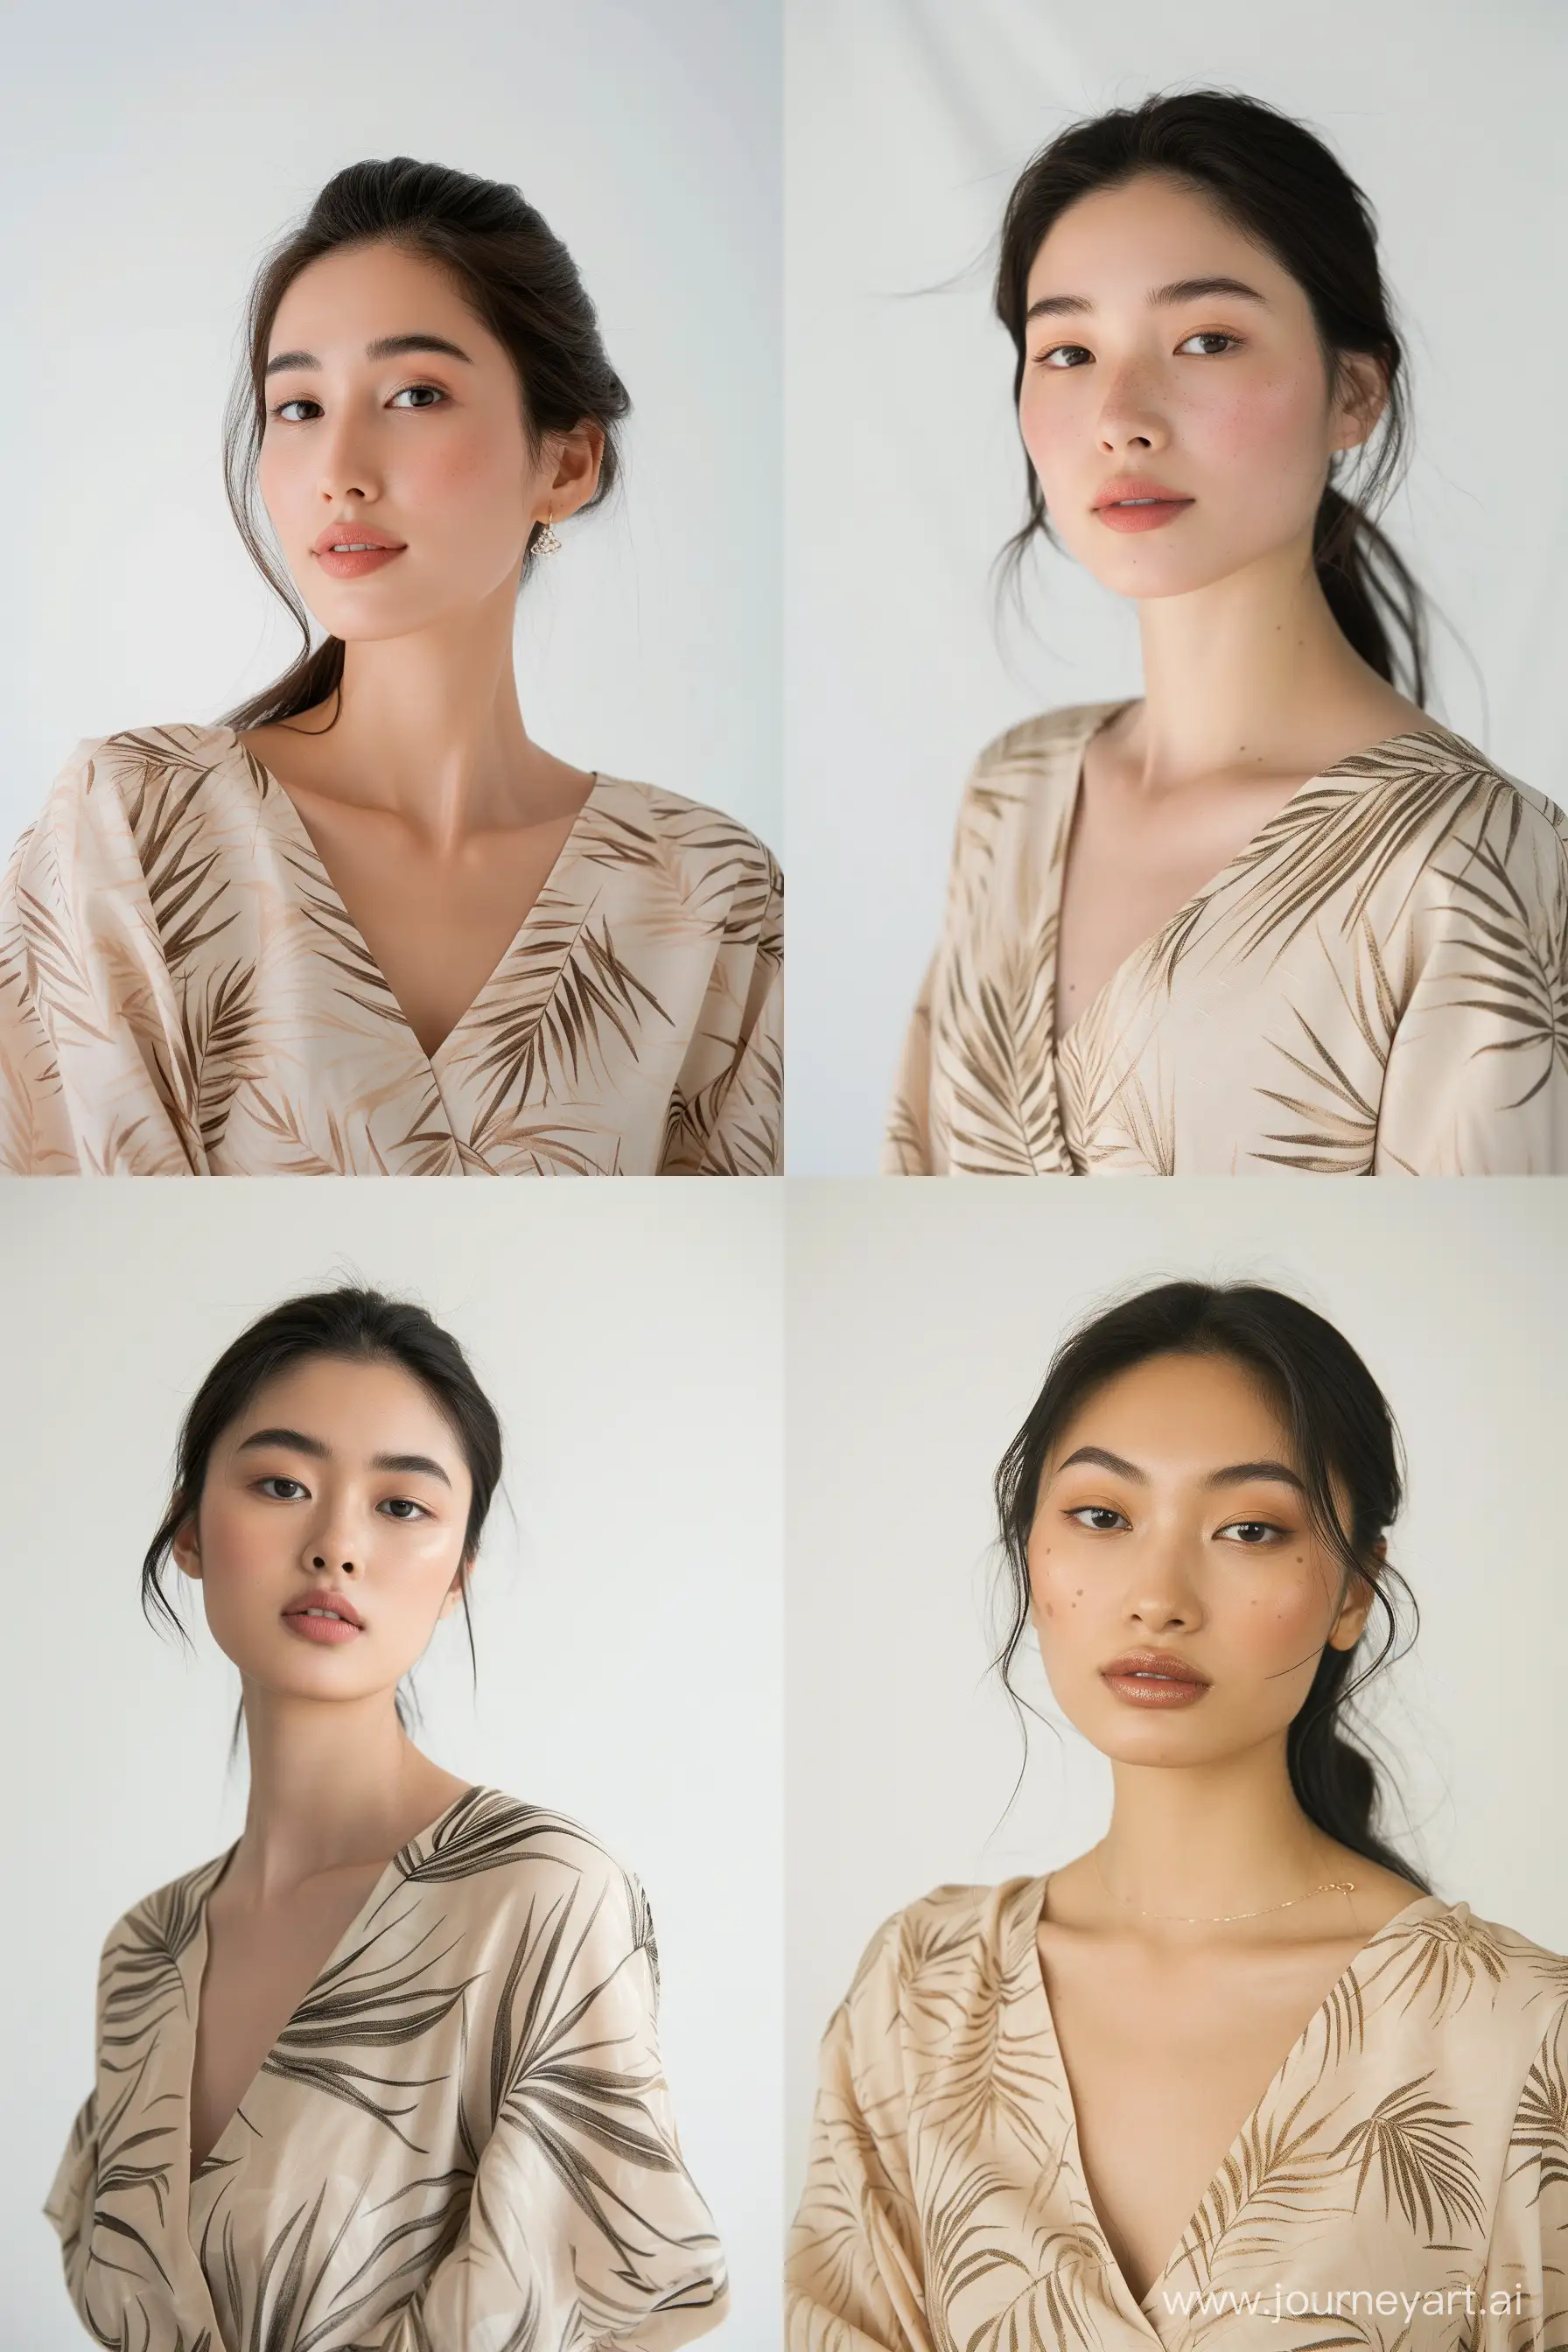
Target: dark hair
[
  {"x": 358, "y": 1326},
  {"x": 1281, "y": 187},
  {"x": 1340, "y": 1424},
  {"x": 517, "y": 279}
]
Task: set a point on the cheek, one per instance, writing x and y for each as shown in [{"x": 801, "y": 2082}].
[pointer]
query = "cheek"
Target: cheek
[
  {"x": 1265, "y": 432},
  {"x": 469, "y": 478}
]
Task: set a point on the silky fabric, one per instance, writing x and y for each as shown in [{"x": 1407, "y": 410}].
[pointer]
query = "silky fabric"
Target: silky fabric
[
  {"x": 183, "y": 992},
  {"x": 1375, "y": 984},
  {"x": 1413, "y": 2145},
  {"x": 460, "y": 2142}
]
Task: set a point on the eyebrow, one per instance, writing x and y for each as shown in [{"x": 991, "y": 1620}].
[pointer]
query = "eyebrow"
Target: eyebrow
[
  {"x": 1180, "y": 289},
  {"x": 386, "y": 347},
  {"x": 297, "y": 1441},
  {"x": 1235, "y": 1474}
]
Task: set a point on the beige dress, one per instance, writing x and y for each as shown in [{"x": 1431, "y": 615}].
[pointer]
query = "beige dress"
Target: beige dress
[
  {"x": 461, "y": 2141},
  {"x": 1375, "y": 984},
  {"x": 1409, "y": 2159},
  {"x": 183, "y": 993}
]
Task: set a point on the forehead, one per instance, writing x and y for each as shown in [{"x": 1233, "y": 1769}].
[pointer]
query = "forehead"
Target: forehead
[
  {"x": 359, "y": 293},
  {"x": 1117, "y": 244},
  {"x": 353, "y": 1407},
  {"x": 1180, "y": 1415}
]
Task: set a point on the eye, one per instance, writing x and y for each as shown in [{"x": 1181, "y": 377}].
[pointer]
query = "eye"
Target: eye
[
  {"x": 266, "y": 1486},
  {"x": 1063, "y": 355},
  {"x": 437, "y": 395},
  {"x": 404, "y": 1507},
  {"x": 299, "y": 401},
  {"x": 1254, "y": 1532},
  {"x": 1099, "y": 1518},
  {"x": 1212, "y": 335}
]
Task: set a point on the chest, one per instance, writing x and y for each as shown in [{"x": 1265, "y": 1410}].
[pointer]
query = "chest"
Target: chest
[
  {"x": 437, "y": 926},
  {"x": 1163, "y": 2073},
  {"x": 1133, "y": 860},
  {"x": 260, "y": 1965}
]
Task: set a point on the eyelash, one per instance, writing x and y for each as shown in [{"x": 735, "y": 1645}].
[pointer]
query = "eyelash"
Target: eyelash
[
  {"x": 303, "y": 400},
  {"x": 414, "y": 1510},
  {"x": 1208, "y": 334},
  {"x": 1105, "y": 1511}
]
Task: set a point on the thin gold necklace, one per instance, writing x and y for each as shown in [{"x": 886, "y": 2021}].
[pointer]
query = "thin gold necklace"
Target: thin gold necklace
[{"x": 1217, "y": 1919}]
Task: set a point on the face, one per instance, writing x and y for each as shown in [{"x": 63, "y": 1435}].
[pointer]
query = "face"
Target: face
[
  {"x": 1171, "y": 1518},
  {"x": 393, "y": 415},
  {"x": 1167, "y": 353},
  {"x": 340, "y": 1487}
]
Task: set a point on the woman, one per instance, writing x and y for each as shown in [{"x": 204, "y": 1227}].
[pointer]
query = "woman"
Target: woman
[
  {"x": 1238, "y": 2057},
  {"x": 384, "y": 2075},
  {"x": 1270, "y": 916},
  {"x": 365, "y": 925}
]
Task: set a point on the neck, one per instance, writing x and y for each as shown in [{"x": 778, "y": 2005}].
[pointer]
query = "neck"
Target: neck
[
  {"x": 332, "y": 1786},
  {"x": 428, "y": 728},
  {"x": 1250, "y": 676},
  {"x": 1212, "y": 1840}
]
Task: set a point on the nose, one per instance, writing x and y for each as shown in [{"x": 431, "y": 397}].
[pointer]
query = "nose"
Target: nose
[
  {"x": 346, "y": 464},
  {"x": 1129, "y": 415},
  {"x": 348, "y": 1566},
  {"x": 1163, "y": 1595}
]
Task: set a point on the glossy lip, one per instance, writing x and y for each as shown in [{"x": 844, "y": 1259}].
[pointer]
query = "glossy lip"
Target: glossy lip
[
  {"x": 1137, "y": 486},
  {"x": 338, "y": 1602},
  {"x": 1156, "y": 1662},
  {"x": 338, "y": 533},
  {"x": 1166, "y": 506}
]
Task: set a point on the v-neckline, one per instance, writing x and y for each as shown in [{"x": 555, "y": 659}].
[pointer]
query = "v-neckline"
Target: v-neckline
[
  {"x": 1025, "y": 1986},
  {"x": 304, "y": 842},
  {"x": 1101, "y": 716},
  {"x": 194, "y": 1960}
]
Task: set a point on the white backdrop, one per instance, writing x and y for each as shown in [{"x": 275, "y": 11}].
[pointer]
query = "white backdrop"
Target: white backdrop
[
  {"x": 906, "y": 122},
  {"x": 148, "y": 158},
  {"x": 628, "y": 1615},
  {"x": 920, "y": 1321}
]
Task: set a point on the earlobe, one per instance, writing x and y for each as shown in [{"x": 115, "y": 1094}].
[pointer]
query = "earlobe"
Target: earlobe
[{"x": 185, "y": 1550}]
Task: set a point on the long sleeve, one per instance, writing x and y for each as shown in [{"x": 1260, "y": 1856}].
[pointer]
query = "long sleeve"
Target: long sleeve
[
  {"x": 852, "y": 2271},
  {"x": 1521, "y": 2299},
  {"x": 581, "y": 2227},
  {"x": 1476, "y": 1079},
  {"x": 746, "y": 1136},
  {"x": 92, "y": 1053},
  {"x": 70, "y": 2199}
]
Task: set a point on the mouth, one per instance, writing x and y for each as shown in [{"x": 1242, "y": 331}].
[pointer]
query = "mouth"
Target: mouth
[
  {"x": 320, "y": 1621},
  {"x": 349, "y": 558},
  {"x": 1141, "y": 514},
  {"x": 1154, "y": 1681}
]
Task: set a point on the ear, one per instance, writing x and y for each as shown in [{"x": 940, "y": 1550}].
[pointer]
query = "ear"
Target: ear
[
  {"x": 185, "y": 1550},
  {"x": 1362, "y": 397},
  {"x": 454, "y": 1596},
  {"x": 575, "y": 475},
  {"x": 1350, "y": 1623}
]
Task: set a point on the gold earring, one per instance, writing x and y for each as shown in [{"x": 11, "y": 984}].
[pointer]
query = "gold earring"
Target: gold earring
[{"x": 549, "y": 544}]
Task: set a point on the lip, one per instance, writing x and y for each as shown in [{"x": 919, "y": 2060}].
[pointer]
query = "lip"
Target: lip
[
  {"x": 374, "y": 548},
  {"x": 343, "y": 1626},
  {"x": 1167, "y": 503},
  {"x": 1130, "y": 1678}
]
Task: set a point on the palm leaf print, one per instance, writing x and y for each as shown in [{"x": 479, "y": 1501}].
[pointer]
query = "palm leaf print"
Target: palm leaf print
[
  {"x": 547, "y": 1044},
  {"x": 1541, "y": 2125},
  {"x": 1342, "y": 1113},
  {"x": 997, "y": 1028},
  {"x": 1274, "y": 2173},
  {"x": 1444, "y": 1957},
  {"x": 363, "y": 2003},
  {"x": 1414, "y": 2143},
  {"x": 1519, "y": 971}
]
